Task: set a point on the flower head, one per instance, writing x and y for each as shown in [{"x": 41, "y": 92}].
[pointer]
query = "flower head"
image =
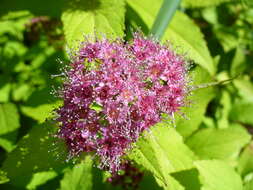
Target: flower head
[{"x": 114, "y": 91}]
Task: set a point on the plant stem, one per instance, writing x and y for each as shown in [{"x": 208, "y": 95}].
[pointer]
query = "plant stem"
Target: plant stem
[
  {"x": 164, "y": 16},
  {"x": 206, "y": 85}
]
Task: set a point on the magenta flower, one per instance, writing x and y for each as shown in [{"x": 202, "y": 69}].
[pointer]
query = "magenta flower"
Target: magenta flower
[{"x": 116, "y": 90}]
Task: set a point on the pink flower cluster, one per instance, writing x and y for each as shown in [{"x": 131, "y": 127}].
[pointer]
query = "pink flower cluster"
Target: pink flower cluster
[{"x": 116, "y": 90}]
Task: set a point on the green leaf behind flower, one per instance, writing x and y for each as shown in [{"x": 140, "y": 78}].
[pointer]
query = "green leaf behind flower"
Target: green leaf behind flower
[{"x": 93, "y": 17}]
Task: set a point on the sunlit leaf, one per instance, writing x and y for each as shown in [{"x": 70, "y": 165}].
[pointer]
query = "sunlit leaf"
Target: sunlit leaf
[
  {"x": 162, "y": 152},
  {"x": 215, "y": 174},
  {"x": 245, "y": 163},
  {"x": 79, "y": 177},
  {"x": 218, "y": 143},
  {"x": 40, "y": 178},
  {"x": 248, "y": 185},
  {"x": 40, "y": 112},
  {"x": 94, "y": 17},
  {"x": 245, "y": 88},
  {"x": 40, "y": 108}
]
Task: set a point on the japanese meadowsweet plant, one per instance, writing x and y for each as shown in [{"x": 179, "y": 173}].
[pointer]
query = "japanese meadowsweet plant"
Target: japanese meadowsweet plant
[{"x": 114, "y": 90}]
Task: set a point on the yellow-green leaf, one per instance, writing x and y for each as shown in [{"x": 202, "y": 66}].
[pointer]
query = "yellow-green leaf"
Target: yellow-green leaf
[
  {"x": 93, "y": 17},
  {"x": 215, "y": 174},
  {"x": 162, "y": 152}
]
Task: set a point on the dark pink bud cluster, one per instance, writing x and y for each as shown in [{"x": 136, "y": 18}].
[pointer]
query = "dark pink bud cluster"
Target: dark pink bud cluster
[
  {"x": 116, "y": 90},
  {"x": 129, "y": 178}
]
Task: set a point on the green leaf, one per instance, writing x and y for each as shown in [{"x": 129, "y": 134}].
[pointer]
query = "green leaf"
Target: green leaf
[
  {"x": 248, "y": 185},
  {"x": 196, "y": 111},
  {"x": 238, "y": 64},
  {"x": 215, "y": 174},
  {"x": 40, "y": 112},
  {"x": 210, "y": 15},
  {"x": 164, "y": 16},
  {"x": 38, "y": 7},
  {"x": 40, "y": 108},
  {"x": 245, "y": 88},
  {"x": 13, "y": 23},
  {"x": 9, "y": 118},
  {"x": 93, "y": 17},
  {"x": 21, "y": 91},
  {"x": 242, "y": 112},
  {"x": 171, "y": 184},
  {"x": 5, "y": 88},
  {"x": 227, "y": 37},
  {"x": 40, "y": 178},
  {"x": 36, "y": 152},
  {"x": 4, "y": 92},
  {"x": 12, "y": 50},
  {"x": 188, "y": 178},
  {"x": 204, "y": 3},
  {"x": 218, "y": 143},
  {"x": 148, "y": 182},
  {"x": 3, "y": 177},
  {"x": 190, "y": 41},
  {"x": 50, "y": 184},
  {"x": 79, "y": 177},
  {"x": 9, "y": 123},
  {"x": 162, "y": 152},
  {"x": 222, "y": 112},
  {"x": 8, "y": 141},
  {"x": 245, "y": 163}
]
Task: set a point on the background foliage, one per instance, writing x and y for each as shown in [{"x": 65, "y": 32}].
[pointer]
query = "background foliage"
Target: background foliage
[{"x": 211, "y": 150}]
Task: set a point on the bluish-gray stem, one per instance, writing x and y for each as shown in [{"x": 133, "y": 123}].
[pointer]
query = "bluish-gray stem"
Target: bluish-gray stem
[{"x": 163, "y": 17}]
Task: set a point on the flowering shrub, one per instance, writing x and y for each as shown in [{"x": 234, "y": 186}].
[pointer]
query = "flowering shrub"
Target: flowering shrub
[{"x": 132, "y": 84}]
